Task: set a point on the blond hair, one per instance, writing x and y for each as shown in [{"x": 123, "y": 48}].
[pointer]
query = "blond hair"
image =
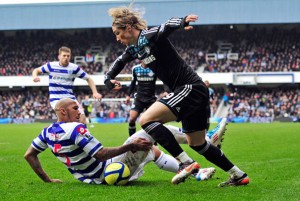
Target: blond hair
[
  {"x": 64, "y": 49},
  {"x": 127, "y": 15}
]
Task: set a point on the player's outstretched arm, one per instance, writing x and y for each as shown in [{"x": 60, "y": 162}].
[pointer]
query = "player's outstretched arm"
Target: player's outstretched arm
[
  {"x": 35, "y": 74},
  {"x": 31, "y": 157},
  {"x": 138, "y": 144},
  {"x": 92, "y": 85}
]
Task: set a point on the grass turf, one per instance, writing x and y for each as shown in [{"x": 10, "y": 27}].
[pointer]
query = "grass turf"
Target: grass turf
[{"x": 269, "y": 153}]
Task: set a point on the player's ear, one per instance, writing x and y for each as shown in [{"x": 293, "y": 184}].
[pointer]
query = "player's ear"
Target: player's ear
[{"x": 63, "y": 111}]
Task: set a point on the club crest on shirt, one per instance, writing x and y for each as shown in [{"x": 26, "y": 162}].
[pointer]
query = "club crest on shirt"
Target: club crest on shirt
[
  {"x": 147, "y": 49},
  {"x": 81, "y": 130},
  {"x": 151, "y": 74},
  {"x": 84, "y": 131}
]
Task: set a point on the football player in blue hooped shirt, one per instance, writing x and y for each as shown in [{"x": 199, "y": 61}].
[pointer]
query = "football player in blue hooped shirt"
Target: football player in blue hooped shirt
[
  {"x": 189, "y": 100},
  {"x": 83, "y": 155},
  {"x": 86, "y": 158},
  {"x": 62, "y": 75}
]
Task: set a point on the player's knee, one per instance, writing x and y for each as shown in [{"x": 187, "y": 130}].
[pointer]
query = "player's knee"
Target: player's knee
[
  {"x": 156, "y": 152},
  {"x": 132, "y": 120},
  {"x": 144, "y": 119},
  {"x": 200, "y": 148}
]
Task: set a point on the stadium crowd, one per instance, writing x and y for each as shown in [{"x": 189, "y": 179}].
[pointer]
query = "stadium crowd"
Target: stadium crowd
[
  {"x": 34, "y": 103},
  {"x": 244, "y": 102},
  {"x": 264, "y": 102},
  {"x": 25, "y": 104},
  {"x": 21, "y": 52},
  {"x": 259, "y": 50}
]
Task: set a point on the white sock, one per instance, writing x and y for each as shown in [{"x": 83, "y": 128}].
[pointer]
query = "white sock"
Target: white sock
[
  {"x": 87, "y": 120},
  {"x": 167, "y": 162},
  {"x": 184, "y": 158},
  {"x": 235, "y": 172}
]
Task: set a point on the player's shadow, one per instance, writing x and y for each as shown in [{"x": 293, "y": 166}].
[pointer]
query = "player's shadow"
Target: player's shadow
[
  {"x": 141, "y": 183},
  {"x": 138, "y": 183}
]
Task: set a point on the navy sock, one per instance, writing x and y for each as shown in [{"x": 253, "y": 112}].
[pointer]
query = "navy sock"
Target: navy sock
[
  {"x": 131, "y": 129},
  {"x": 214, "y": 155}
]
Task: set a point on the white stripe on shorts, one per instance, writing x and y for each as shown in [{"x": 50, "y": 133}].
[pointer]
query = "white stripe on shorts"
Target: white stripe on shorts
[{"x": 176, "y": 99}]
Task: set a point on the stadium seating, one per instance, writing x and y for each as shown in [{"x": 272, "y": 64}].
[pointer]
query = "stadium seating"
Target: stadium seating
[
  {"x": 214, "y": 48},
  {"x": 211, "y": 49}
]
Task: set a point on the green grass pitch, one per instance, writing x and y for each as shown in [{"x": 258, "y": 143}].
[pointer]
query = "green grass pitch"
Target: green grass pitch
[{"x": 269, "y": 153}]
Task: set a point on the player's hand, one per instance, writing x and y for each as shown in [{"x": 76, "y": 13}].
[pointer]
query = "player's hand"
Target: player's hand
[
  {"x": 36, "y": 79},
  {"x": 97, "y": 96},
  {"x": 141, "y": 144},
  {"x": 127, "y": 101},
  {"x": 164, "y": 94},
  {"x": 190, "y": 18},
  {"x": 55, "y": 181},
  {"x": 117, "y": 85}
]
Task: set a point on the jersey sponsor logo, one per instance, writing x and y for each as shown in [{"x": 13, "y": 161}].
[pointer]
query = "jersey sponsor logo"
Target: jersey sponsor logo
[
  {"x": 145, "y": 78},
  {"x": 61, "y": 78},
  {"x": 149, "y": 59}
]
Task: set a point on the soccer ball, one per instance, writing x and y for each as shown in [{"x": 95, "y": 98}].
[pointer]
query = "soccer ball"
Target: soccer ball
[{"x": 116, "y": 174}]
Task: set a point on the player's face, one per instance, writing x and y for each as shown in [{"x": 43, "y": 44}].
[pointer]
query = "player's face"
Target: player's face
[
  {"x": 73, "y": 112},
  {"x": 64, "y": 58},
  {"x": 124, "y": 36},
  {"x": 143, "y": 65},
  {"x": 206, "y": 83}
]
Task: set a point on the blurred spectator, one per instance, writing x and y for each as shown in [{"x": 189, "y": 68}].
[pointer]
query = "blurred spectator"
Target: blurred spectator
[
  {"x": 259, "y": 49},
  {"x": 265, "y": 102},
  {"x": 244, "y": 102},
  {"x": 225, "y": 99}
]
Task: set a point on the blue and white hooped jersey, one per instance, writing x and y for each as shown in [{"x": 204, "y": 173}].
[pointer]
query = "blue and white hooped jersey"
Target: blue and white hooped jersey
[
  {"x": 61, "y": 79},
  {"x": 74, "y": 146}
]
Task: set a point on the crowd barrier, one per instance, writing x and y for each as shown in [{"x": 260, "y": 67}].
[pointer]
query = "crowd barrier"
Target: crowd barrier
[
  {"x": 16, "y": 121},
  {"x": 5, "y": 120},
  {"x": 108, "y": 120}
]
